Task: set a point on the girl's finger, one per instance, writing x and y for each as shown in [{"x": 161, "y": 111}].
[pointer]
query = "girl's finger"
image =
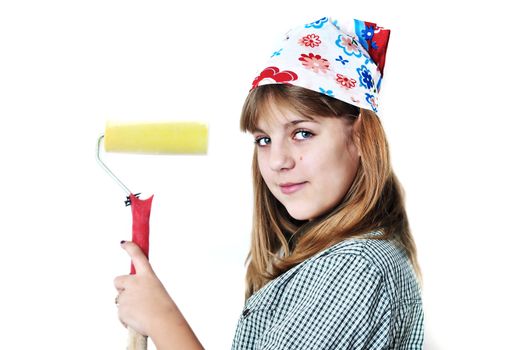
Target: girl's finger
[
  {"x": 139, "y": 259},
  {"x": 120, "y": 282}
]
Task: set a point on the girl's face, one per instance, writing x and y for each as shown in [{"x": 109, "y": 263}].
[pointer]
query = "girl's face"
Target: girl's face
[{"x": 307, "y": 164}]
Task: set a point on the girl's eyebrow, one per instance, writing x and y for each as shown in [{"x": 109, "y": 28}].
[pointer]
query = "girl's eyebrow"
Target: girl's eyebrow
[{"x": 292, "y": 123}]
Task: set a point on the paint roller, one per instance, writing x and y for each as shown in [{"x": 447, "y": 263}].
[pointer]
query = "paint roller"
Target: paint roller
[{"x": 161, "y": 138}]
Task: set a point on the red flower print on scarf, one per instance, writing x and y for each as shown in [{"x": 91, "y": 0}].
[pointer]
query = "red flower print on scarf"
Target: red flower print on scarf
[
  {"x": 314, "y": 62},
  {"x": 310, "y": 40},
  {"x": 274, "y": 73},
  {"x": 346, "y": 82},
  {"x": 350, "y": 45}
]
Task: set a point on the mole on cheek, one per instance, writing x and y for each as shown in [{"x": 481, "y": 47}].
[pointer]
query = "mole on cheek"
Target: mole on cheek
[{"x": 301, "y": 157}]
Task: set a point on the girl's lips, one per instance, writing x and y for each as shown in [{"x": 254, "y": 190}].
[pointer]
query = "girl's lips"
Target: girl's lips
[{"x": 289, "y": 188}]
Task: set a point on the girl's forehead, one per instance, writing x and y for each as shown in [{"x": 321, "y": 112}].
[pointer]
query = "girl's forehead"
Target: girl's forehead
[{"x": 276, "y": 115}]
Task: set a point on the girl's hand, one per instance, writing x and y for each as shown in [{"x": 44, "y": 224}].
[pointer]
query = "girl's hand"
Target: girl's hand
[{"x": 143, "y": 301}]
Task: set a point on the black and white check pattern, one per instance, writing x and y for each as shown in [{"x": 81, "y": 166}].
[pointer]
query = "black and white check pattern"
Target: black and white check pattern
[{"x": 358, "y": 294}]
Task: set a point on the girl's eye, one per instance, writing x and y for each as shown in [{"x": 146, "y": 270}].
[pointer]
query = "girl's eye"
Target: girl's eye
[
  {"x": 302, "y": 135},
  {"x": 298, "y": 135},
  {"x": 262, "y": 141}
]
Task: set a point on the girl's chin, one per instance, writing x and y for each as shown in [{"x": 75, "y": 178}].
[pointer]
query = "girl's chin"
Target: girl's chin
[{"x": 300, "y": 215}]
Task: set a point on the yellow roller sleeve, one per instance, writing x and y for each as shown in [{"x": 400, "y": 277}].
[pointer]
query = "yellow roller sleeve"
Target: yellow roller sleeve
[{"x": 156, "y": 138}]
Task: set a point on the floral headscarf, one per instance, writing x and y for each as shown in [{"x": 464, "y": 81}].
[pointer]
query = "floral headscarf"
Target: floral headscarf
[{"x": 343, "y": 61}]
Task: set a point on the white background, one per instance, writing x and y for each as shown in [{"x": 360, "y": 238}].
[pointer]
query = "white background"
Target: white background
[{"x": 452, "y": 106}]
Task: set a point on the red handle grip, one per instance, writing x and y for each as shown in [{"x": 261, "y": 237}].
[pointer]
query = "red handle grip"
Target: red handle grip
[{"x": 141, "y": 224}]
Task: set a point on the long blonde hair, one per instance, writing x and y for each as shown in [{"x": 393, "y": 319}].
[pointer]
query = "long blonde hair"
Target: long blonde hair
[{"x": 374, "y": 202}]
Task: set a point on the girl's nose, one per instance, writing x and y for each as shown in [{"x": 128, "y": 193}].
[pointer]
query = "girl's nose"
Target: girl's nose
[{"x": 281, "y": 157}]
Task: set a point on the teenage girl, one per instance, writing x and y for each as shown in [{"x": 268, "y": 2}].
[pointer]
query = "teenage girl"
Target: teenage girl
[{"x": 332, "y": 263}]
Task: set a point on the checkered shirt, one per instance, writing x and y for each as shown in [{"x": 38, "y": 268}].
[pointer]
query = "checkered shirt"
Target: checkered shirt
[{"x": 357, "y": 294}]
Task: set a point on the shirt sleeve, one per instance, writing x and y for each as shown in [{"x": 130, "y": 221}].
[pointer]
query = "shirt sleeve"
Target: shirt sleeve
[{"x": 336, "y": 302}]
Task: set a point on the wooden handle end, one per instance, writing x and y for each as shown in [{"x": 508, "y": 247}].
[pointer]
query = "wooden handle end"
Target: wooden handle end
[{"x": 136, "y": 341}]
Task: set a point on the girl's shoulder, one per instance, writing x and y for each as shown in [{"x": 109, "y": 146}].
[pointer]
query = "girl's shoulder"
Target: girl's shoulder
[
  {"x": 384, "y": 259},
  {"x": 354, "y": 263},
  {"x": 380, "y": 253}
]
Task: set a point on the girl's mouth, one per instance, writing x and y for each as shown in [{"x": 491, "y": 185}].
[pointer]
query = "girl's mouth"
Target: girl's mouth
[{"x": 289, "y": 187}]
